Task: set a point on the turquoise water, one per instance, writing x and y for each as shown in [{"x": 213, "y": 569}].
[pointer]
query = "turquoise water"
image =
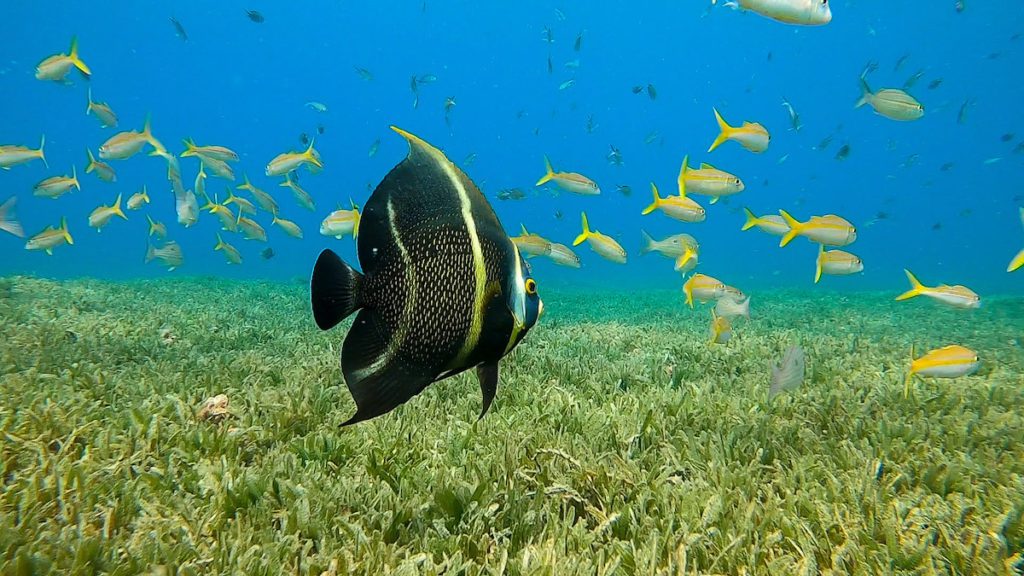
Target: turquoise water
[{"x": 244, "y": 85}]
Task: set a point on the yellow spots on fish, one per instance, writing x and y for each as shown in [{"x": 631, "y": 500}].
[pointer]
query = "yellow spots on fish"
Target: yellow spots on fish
[
  {"x": 950, "y": 361},
  {"x": 702, "y": 288},
  {"x": 605, "y": 246},
  {"x": 750, "y": 135},
  {"x": 956, "y": 296},
  {"x": 569, "y": 181}
]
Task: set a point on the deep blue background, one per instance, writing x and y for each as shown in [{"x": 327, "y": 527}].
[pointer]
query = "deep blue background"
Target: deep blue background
[{"x": 244, "y": 85}]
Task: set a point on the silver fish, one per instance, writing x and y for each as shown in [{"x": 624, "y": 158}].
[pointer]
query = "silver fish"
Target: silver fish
[{"x": 789, "y": 374}]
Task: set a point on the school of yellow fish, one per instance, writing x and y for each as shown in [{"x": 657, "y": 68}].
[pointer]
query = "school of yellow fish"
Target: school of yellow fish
[{"x": 236, "y": 213}]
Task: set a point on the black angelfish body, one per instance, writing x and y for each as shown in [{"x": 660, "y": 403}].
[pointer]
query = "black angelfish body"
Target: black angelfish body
[{"x": 443, "y": 288}]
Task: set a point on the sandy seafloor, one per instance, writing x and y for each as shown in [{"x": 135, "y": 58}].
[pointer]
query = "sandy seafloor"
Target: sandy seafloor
[{"x": 620, "y": 441}]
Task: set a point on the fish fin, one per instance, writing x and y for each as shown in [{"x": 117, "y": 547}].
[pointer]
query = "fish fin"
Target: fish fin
[
  {"x": 794, "y": 228},
  {"x": 49, "y": 251},
  {"x": 723, "y": 133},
  {"x": 817, "y": 270},
  {"x": 42, "y": 156},
  {"x": 586, "y": 231},
  {"x": 355, "y": 226},
  {"x": 1017, "y": 262},
  {"x": 74, "y": 176},
  {"x": 310, "y": 157},
  {"x": 714, "y": 199},
  {"x": 487, "y": 374},
  {"x": 64, "y": 230},
  {"x": 220, "y": 243},
  {"x": 7, "y": 221},
  {"x": 648, "y": 242},
  {"x": 378, "y": 384},
  {"x": 73, "y": 55},
  {"x": 916, "y": 288},
  {"x": 117, "y": 208},
  {"x": 865, "y": 93},
  {"x": 706, "y": 166},
  {"x": 334, "y": 290},
  {"x": 681, "y": 180},
  {"x": 751, "y": 219},
  {"x": 688, "y": 290},
  {"x": 523, "y": 227},
  {"x": 549, "y": 172},
  {"x": 682, "y": 261},
  {"x": 92, "y": 161},
  {"x": 657, "y": 200},
  {"x": 88, "y": 108}
]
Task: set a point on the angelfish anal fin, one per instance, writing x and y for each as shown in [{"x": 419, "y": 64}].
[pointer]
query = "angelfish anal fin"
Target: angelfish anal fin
[{"x": 488, "y": 376}]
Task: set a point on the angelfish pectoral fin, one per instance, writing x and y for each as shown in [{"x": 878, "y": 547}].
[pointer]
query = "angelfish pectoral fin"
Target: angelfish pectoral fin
[{"x": 488, "y": 376}]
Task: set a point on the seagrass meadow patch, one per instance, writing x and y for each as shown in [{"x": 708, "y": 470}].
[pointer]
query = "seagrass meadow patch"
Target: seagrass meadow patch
[{"x": 620, "y": 442}]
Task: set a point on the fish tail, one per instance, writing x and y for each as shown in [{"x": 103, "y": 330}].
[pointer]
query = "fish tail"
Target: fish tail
[
  {"x": 74, "y": 177},
  {"x": 92, "y": 161},
  {"x": 916, "y": 288},
  {"x": 334, "y": 290},
  {"x": 689, "y": 294},
  {"x": 88, "y": 108},
  {"x": 190, "y": 148},
  {"x": 865, "y": 93},
  {"x": 648, "y": 242},
  {"x": 752, "y": 220},
  {"x": 7, "y": 221},
  {"x": 64, "y": 230},
  {"x": 310, "y": 157},
  {"x": 73, "y": 55},
  {"x": 817, "y": 270},
  {"x": 42, "y": 156},
  {"x": 586, "y": 231},
  {"x": 549, "y": 172},
  {"x": 1017, "y": 262},
  {"x": 657, "y": 200},
  {"x": 145, "y": 193},
  {"x": 724, "y": 130},
  {"x": 682, "y": 261},
  {"x": 152, "y": 226},
  {"x": 220, "y": 243},
  {"x": 117, "y": 208},
  {"x": 150, "y": 252},
  {"x": 794, "y": 228},
  {"x": 681, "y": 180}
]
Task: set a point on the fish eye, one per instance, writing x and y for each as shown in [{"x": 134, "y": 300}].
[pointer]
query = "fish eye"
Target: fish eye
[{"x": 531, "y": 286}]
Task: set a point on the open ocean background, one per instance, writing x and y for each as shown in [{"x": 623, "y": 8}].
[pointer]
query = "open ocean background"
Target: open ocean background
[{"x": 243, "y": 85}]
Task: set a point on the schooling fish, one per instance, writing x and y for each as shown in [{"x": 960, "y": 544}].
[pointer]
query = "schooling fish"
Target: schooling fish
[
  {"x": 50, "y": 238},
  {"x": 103, "y": 170},
  {"x": 57, "y": 186},
  {"x": 569, "y": 181},
  {"x": 157, "y": 229},
  {"x": 680, "y": 207},
  {"x": 126, "y": 144},
  {"x": 563, "y": 255},
  {"x": 531, "y": 244},
  {"x": 770, "y": 223},
  {"x": 425, "y": 314},
  {"x": 231, "y": 254},
  {"x": 13, "y": 154},
  {"x": 947, "y": 362},
  {"x": 956, "y": 296},
  {"x": 803, "y": 12},
  {"x": 341, "y": 223},
  {"x": 102, "y": 215},
  {"x": 604, "y": 245},
  {"x": 672, "y": 247},
  {"x": 288, "y": 161},
  {"x": 892, "y": 103},
  {"x": 56, "y": 67},
  {"x": 830, "y": 230},
  {"x": 138, "y": 199},
  {"x": 221, "y": 153},
  {"x": 702, "y": 288},
  {"x": 732, "y": 306},
  {"x": 750, "y": 135},
  {"x": 707, "y": 181},
  {"x": 836, "y": 263},
  {"x": 102, "y": 111}
]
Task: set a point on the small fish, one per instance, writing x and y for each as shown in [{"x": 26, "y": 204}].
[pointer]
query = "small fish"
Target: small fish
[
  {"x": 770, "y": 223},
  {"x": 179, "y": 30},
  {"x": 56, "y": 67},
  {"x": 1015, "y": 264},
  {"x": 843, "y": 153},
  {"x": 671, "y": 247},
  {"x": 57, "y": 186},
  {"x": 913, "y": 80},
  {"x": 789, "y": 373},
  {"x": 721, "y": 329},
  {"x": 652, "y": 92},
  {"x": 961, "y": 116},
  {"x": 830, "y": 230},
  {"x": 288, "y": 161},
  {"x": 231, "y": 254},
  {"x": 8, "y": 222},
  {"x": 511, "y": 194},
  {"x": 605, "y": 246},
  {"x": 102, "y": 111},
  {"x": 802, "y": 12},
  {"x": 960, "y": 6},
  {"x": 364, "y": 74},
  {"x": 124, "y": 145},
  {"x": 563, "y": 256},
  {"x": 591, "y": 125},
  {"x": 427, "y": 79},
  {"x": 951, "y": 361},
  {"x": 825, "y": 142},
  {"x": 567, "y": 84},
  {"x": 251, "y": 230},
  {"x": 892, "y": 103},
  {"x": 702, "y": 288},
  {"x": 13, "y": 154},
  {"x": 956, "y": 296},
  {"x": 102, "y": 215},
  {"x": 794, "y": 117},
  {"x": 267, "y": 253},
  {"x": 301, "y": 196},
  {"x": 341, "y": 223},
  {"x": 707, "y": 181},
  {"x": 624, "y": 189},
  {"x": 373, "y": 148},
  {"x": 470, "y": 159},
  {"x": 572, "y": 64},
  {"x": 569, "y": 181},
  {"x": 102, "y": 169},
  {"x": 169, "y": 255},
  {"x": 551, "y": 66},
  {"x": 547, "y": 35},
  {"x": 317, "y": 106},
  {"x": 946, "y": 167},
  {"x": 49, "y": 238},
  {"x": 638, "y": 89},
  {"x": 244, "y": 205},
  {"x": 559, "y": 15},
  {"x": 265, "y": 200},
  {"x": 214, "y": 152},
  {"x": 1006, "y": 137},
  {"x": 471, "y": 308},
  {"x": 730, "y": 306},
  {"x": 899, "y": 62},
  {"x": 935, "y": 84},
  {"x": 218, "y": 168},
  {"x": 255, "y": 16},
  {"x": 414, "y": 85},
  {"x": 836, "y": 263},
  {"x": 751, "y": 136},
  {"x": 290, "y": 228},
  {"x": 578, "y": 44},
  {"x": 227, "y": 217},
  {"x": 652, "y": 137},
  {"x": 531, "y": 244},
  {"x": 614, "y": 156},
  {"x": 680, "y": 208},
  {"x": 157, "y": 229}
]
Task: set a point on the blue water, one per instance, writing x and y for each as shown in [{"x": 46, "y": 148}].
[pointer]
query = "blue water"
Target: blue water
[{"x": 244, "y": 85}]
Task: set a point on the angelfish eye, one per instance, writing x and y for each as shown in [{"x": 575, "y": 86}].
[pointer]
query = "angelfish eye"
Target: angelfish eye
[{"x": 531, "y": 287}]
